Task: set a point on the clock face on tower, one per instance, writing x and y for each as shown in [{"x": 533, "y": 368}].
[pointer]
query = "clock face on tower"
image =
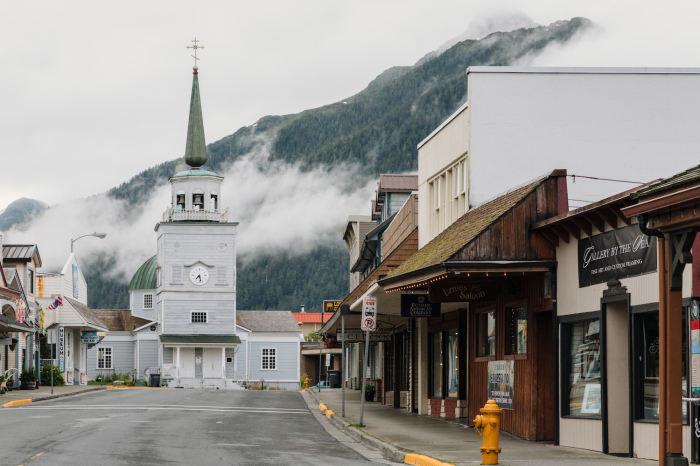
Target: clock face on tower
[{"x": 199, "y": 275}]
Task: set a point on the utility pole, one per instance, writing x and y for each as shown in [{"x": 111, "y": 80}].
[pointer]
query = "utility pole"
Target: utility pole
[{"x": 342, "y": 359}]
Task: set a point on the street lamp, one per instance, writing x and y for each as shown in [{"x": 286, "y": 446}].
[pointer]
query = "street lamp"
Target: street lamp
[{"x": 96, "y": 235}]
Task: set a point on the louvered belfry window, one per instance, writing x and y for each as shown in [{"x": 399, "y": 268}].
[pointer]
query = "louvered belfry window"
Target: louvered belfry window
[
  {"x": 221, "y": 275},
  {"x": 177, "y": 274}
]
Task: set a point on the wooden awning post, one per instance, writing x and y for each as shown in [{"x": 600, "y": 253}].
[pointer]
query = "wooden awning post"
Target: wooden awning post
[{"x": 663, "y": 283}]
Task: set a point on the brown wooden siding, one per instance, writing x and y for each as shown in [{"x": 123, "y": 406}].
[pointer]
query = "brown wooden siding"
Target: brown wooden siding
[
  {"x": 533, "y": 415},
  {"x": 510, "y": 238}
]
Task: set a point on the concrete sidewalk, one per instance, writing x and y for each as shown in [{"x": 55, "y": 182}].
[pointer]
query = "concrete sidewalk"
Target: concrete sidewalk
[
  {"x": 44, "y": 393},
  {"x": 455, "y": 442}
]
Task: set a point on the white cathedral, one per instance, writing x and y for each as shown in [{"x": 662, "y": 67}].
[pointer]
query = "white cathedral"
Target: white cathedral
[{"x": 184, "y": 323}]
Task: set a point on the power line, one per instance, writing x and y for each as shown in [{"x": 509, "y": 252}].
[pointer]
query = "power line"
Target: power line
[{"x": 604, "y": 179}]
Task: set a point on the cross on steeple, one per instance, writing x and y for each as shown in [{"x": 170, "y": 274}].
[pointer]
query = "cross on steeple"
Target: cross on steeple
[{"x": 195, "y": 47}]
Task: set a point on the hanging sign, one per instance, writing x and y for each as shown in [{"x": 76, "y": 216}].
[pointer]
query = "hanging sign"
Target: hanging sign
[
  {"x": 369, "y": 314},
  {"x": 61, "y": 348},
  {"x": 457, "y": 291},
  {"x": 501, "y": 381},
  {"x": 620, "y": 253},
  {"x": 382, "y": 333},
  {"x": 89, "y": 338},
  {"x": 331, "y": 306},
  {"x": 418, "y": 305}
]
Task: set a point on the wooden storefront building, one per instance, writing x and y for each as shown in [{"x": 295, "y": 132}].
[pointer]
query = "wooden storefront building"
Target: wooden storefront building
[{"x": 491, "y": 274}]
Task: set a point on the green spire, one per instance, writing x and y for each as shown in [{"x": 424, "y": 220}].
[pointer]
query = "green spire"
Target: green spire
[{"x": 196, "y": 151}]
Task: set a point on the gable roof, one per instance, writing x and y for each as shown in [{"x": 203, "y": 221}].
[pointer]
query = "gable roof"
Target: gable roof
[
  {"x": 267, "y": 321},
  {"x": 465, "y": 229},
  {"x": 119, "y": 320},
  {"x": 676, "y": 181},
  {"x": 145, "y": 277},
  {"x": 89, "y": 315}
]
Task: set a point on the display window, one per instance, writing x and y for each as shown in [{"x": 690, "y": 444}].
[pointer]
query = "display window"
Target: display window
[
  {"x": 582, "y": 392},
  {"x": 646, "y": 388},
  {"x": 452, "y": 373},
  {"x": 486, "y": 334},
  {"x": 516, "y": 331},
  {"x": 436, "y": 365}
]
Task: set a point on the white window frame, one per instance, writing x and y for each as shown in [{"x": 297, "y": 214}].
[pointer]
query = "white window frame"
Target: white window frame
[
  {"x": 144, "y": 300},
  {"x": 206, "y": 317},
  {"x": 111, "y": 357},
  {"x": 263, "y": 356}
]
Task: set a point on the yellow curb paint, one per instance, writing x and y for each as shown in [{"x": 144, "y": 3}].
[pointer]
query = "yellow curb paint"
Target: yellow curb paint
[
  {"x": 17, "y": 403},
  {"x": 328, "y": 413},
  {"x": 422, "y": 460},
  {"x": 322, "y": 407}
]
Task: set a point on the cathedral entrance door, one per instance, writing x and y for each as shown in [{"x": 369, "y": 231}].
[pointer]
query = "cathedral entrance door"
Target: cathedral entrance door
[
  {"x": 187, "y": 363},
  {"x": 211, "y": 364}
]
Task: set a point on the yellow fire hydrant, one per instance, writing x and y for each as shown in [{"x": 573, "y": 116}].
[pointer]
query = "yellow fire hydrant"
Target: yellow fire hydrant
[
  {"x": 489, "y": 421},
  {"x": 306, "y": 384}
]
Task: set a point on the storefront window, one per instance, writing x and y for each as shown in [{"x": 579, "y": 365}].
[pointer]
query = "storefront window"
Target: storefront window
[
  {"x": 584, "y": 369},
  {"x": 647, "y": 332},
  {"x": 516, "y": 330},
  {"x": 436, "y": 365},
  {"x": 486, "y": 328},
  {"x": 452, "y": 363}
]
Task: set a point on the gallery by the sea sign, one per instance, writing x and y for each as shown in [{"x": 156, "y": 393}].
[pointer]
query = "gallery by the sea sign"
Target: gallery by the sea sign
[
  {"x": 418, "y": 305},
  {"x": 620, "y": 253}
]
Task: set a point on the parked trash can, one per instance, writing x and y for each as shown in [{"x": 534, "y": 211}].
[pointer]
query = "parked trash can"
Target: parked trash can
[
  {"x": 333, "y": 378},
  {"x": 155, "y": 377}
]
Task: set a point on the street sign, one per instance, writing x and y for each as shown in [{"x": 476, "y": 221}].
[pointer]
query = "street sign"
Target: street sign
[
  {"x": 328, "y": 360},
  {"x": 369, "y": 314},
  {"x": 61, "y": 348},
  {"x": 331, "y": 306}
]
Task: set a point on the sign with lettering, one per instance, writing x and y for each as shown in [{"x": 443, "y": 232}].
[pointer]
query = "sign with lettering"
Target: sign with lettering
[
  {"x": 382, "y": 333},
  {"x": 331, "y": 306},
  {"x": 456, "y": 291},
  {"x": 418, "y": 305},
  {"x": 501, "y": 381},
  {"x": 368, "y": 323},
  {"x": 620, "y": 253},
  {"x": 62, "y": 349}
]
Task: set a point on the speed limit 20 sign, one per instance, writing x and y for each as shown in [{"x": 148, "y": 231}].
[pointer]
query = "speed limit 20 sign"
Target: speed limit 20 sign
[{"x": 369, "y": 313}]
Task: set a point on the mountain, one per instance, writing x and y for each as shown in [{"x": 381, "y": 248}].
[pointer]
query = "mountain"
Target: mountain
[
  {"x": 19, "y": 211},
  {"x": 377, "y": 129}
]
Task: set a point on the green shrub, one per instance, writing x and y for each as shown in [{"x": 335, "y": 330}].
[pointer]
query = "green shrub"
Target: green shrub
[
  {"x": 57, "y": 376},
  {"x": 28, "y": 375}
]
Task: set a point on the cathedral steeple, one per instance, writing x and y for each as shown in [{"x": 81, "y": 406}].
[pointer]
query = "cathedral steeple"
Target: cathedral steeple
[{"x": 196, "y": 150}]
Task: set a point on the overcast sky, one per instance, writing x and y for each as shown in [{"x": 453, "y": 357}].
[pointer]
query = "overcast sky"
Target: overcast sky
[{"x": 94, "y": 92}]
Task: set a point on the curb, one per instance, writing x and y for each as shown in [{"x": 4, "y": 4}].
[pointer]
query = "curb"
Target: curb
[
  {"x": 9, "y": 404},
  {"x": 16, "y": 402},
  {"x": 422, "y": 460},
  {"x": 387, "y": 450}
]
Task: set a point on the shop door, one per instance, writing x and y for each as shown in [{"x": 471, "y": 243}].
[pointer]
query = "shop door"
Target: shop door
[
  {"x": 211, "y": 364},
  {"x": 617, "y": 429},
  {"x": 187, "y": 363}
]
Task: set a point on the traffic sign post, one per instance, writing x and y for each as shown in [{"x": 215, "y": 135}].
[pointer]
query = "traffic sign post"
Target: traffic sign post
[{"x": 368, "y": 324}]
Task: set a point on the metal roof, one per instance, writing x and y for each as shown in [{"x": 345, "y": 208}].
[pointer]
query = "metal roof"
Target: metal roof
[
  {"x": 226, "y": 339},
  {"x": 21, "y": 253},
  {"x": 311, "y": 317},
  {"x": 398, "y": 183},
  {"x": 145, "y": 277}
]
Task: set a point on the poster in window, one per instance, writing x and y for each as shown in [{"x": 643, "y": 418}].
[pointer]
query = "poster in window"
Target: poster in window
[
  {"x": 591, "y": 399},
  {"x": 501, "y": 380}
]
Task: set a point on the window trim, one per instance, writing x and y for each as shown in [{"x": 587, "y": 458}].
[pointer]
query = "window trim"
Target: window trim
[
  {"x": 111, "y": 358},
  {"x": 144, "y": 301},
  {"x": 274, "y": 348},
  {"x": 206, "y": 317}
]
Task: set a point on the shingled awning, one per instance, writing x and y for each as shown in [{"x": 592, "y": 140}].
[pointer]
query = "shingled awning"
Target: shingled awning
[{"x": 200, "y": 339}]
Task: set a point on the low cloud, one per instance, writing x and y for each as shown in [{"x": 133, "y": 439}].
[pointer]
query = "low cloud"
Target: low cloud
[{"x": 279, "y": 207}]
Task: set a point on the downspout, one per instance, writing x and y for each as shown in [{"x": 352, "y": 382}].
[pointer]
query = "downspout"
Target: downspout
[
  {"x": 555, "y": 354},
  {"x": 642, "y": 222}
]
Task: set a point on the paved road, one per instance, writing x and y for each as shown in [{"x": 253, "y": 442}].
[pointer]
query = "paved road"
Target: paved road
[{"x": 169, "y": 427}]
